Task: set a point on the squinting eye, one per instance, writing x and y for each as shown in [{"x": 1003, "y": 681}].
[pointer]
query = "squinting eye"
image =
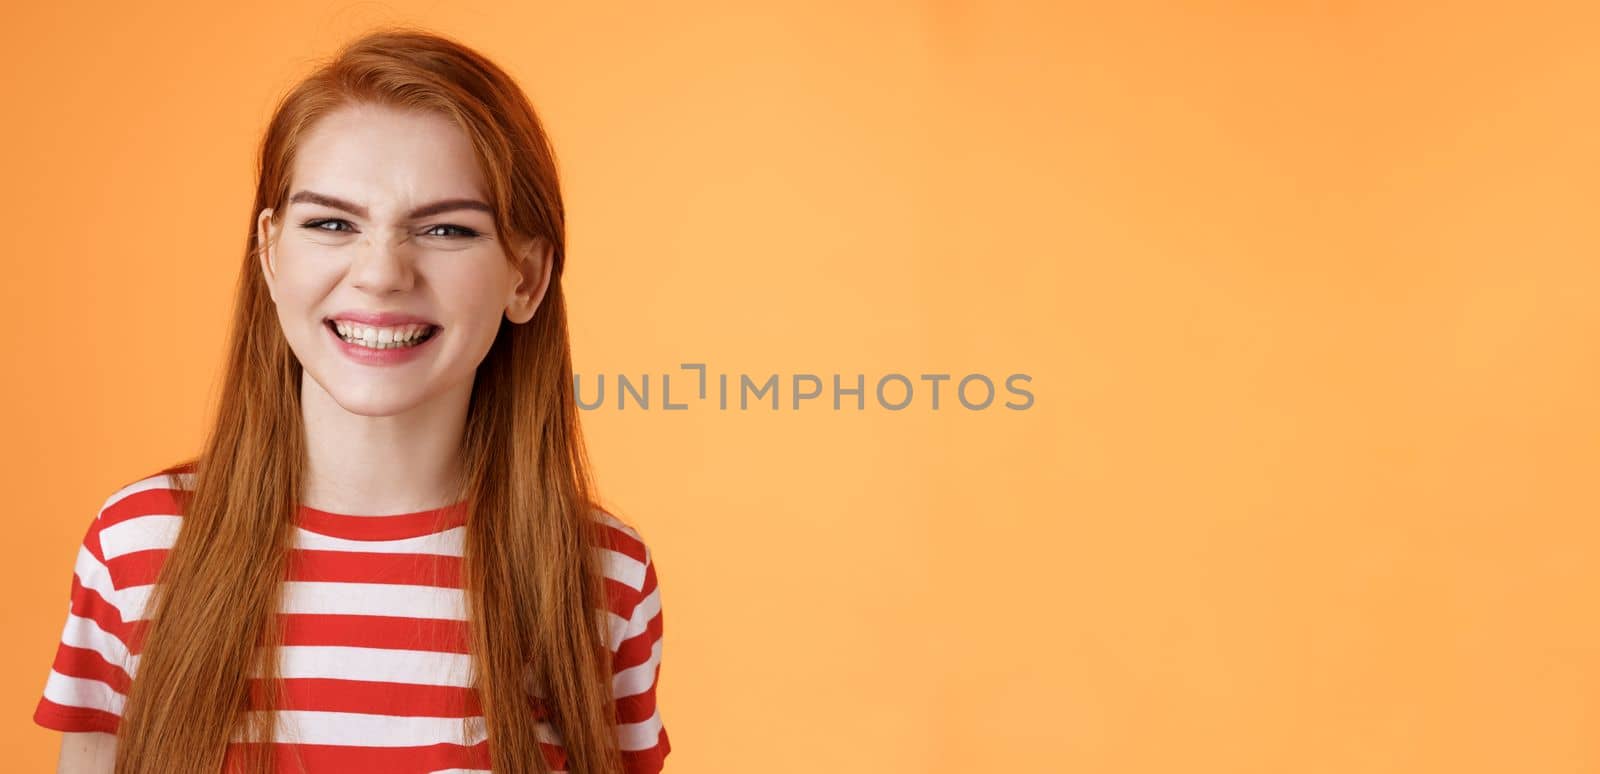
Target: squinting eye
[
  {"x": 317, "y": 225},
  {"x": 461, "y": 232},
  {"x": 464, "y": 231}
]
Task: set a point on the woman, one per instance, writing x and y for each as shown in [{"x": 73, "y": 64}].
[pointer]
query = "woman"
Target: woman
[{"x": 387, "y": 556}]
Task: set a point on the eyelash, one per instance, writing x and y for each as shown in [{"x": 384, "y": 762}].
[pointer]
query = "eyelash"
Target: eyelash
[{"x": 316, "y": 225}]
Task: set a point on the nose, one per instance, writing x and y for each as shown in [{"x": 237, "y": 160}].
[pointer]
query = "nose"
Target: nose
[{"x": 382, "y": 265}]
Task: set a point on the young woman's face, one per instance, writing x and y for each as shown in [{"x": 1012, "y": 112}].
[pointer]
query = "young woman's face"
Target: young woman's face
[{"x": 387, "y": 273}]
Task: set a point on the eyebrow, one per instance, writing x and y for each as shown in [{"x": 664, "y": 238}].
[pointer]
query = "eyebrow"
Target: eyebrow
[{"x": 443, "y": 205}]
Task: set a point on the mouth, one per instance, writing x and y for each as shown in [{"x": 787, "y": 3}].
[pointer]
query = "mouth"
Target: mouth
[{"x": 380, "y": 337}]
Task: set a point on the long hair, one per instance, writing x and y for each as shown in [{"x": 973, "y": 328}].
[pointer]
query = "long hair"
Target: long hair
[{"x": 533, "y": 585}]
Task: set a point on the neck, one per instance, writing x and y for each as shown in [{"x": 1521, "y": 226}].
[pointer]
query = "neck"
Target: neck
[{"x": 380, "y": 465}]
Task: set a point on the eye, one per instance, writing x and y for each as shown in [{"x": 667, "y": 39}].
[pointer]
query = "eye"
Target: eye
[
  {"x": 463, "y": 231},
  {"x": 317, "y": 225}
]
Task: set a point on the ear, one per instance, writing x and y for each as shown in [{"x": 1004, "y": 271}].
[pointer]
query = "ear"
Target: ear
[
  {"x": 266, "y": 241},
  {"x": 532, "y": 274}
]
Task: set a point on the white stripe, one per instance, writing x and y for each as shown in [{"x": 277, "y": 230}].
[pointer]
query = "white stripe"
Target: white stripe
[
  {"x": 390, "y": 599},
  {"x": 140, "y": 533},
  {"x": 379, "y": 665},
  {"x": 94, "y": 575},
  {"x": 642, "y": 735},
  {"x": 82, "y": 692},
  {"x": 132, "y": 601},
  {"x": 618, "y": 627},
  {"x": 637, "y": 679},
  {"x": 446, "y": 543},
  {"x": 354, "y": 729},
  {"x": 623, "y": 568},
  {"x": 85, "y": 633}
]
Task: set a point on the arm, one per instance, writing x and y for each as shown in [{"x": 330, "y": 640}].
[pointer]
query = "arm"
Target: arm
[
  {"x": 637, "y": 671},
  {"x": 87, "y": 752},
  {"x": 87, "y": 682},
  {"x": 636, "y": 645}
]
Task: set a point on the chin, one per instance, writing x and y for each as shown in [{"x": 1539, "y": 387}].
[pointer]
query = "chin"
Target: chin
[
  {"x": 376, "y": 407},
  {"x": 374, "y": 400},
  {"x": 377, "y": 402}
]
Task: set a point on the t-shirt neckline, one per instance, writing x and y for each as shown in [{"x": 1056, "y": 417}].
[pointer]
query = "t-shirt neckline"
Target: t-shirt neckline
[{"x": 396, "y": 526}]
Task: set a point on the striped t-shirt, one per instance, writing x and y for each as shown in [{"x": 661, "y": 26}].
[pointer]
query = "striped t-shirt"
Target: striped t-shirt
[{"x": 375, "y": 660}]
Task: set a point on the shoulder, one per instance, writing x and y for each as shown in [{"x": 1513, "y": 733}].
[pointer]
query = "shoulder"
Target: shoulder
[
  {"x": 626, "y": 555},
  {"x": 630, "y": 571},
  {"x": 143, "y": 514},
  {"x": 161, "y": 489},
  {"x": 124, "y": 547}
]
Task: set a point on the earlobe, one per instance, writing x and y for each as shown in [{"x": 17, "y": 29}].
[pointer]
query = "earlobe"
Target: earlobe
[{"x": 532, "y": 273}]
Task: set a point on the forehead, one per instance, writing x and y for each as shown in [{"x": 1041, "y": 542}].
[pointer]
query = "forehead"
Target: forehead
[{"x": 385, "y": 157}]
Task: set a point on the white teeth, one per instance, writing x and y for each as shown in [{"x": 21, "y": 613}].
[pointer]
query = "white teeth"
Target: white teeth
[{"x": 382, "y": 338}]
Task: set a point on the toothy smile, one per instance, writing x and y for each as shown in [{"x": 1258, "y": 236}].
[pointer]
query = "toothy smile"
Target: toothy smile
[{"x": 383, "y": 337}]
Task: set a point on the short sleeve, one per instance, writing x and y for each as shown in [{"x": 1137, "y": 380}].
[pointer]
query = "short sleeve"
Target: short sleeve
[
  {"x": 89, "y": 678},
  {"x": 636, "y": 673}
]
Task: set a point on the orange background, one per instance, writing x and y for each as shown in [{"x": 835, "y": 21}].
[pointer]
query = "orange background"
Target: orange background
[{"x": 1308, "y": 296}]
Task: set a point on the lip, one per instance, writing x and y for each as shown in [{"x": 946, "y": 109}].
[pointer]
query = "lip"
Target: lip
[
  {"x": 380, "y": 357},
  {"x": 380, "y": 319}
]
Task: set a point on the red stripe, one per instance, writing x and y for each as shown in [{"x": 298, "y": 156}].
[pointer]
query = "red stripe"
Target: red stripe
[
  {"x": 150, "y": 502},
  {"x": 620, "y": 597},
  {"x": 142, "y": 568},
  {"x": 371, "y": 698},
  {"x": 304, "y": 758},
  {"x": 375, "y": 631},
  {"x": 620, "y": 541},
  {"x": 90, "y": 665},
  {"x": 636, "y": 649},
  {"x": 87, "y": 603},
  {"x": 75, "y": 719},
  {"x": 391, "y": 527},
  {"x": 638, "y": 707},
  {"x": 648, "y": 761},
  {"x": 137, "y": 568}
]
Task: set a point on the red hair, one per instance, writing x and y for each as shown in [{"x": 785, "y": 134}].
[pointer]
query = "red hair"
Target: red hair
[{"x": 532, "y": 581}]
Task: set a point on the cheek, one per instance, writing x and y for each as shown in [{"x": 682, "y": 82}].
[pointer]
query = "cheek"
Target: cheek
[
  {"x": 304, "y": 276},
  {"x": 477, "y": 297}
]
